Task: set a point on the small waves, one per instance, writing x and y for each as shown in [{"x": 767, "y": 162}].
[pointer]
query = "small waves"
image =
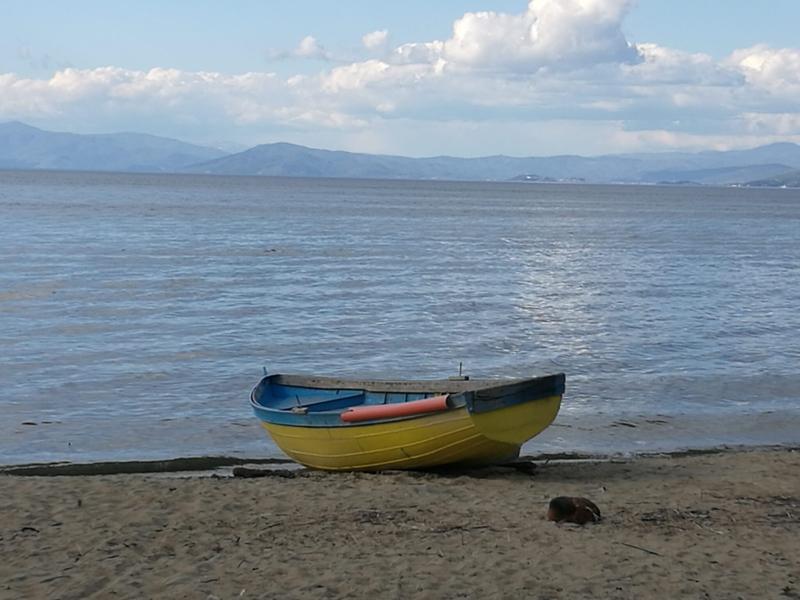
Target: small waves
[{"x": 139, "y": 310}]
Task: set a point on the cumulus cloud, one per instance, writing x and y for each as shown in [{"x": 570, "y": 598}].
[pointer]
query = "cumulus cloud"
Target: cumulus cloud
[
  {"x": 309, "y": 47},
  {"x": 775, "y": 72},
  {"x": 72, "y": 92},
  {"x": 418, "y": 53},
  {"x": 782, "y": 124},
  {"x": 508, "y": 82},
  {"x": 376, "y": 40},
  {"x": 558, "y": 34},
  {"x": 660, "y": 65},
  {"x": 764, "y": 62}
]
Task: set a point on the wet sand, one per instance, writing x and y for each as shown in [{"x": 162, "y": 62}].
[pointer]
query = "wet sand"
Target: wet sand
[{"x": 722, "y": 525}]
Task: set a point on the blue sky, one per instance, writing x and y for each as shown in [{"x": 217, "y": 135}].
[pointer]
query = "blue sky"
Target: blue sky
[{"x": 462, "y": 77}]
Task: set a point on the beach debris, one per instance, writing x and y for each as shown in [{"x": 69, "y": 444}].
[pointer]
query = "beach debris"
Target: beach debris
[
  {"x": 380, "y": 517},
  {"x": 250, "y": 473},
  {"x": 569, "y": 509},
  {"x": 674, "y": 517},
  {"x": 665, "y": 515},
  {"x": 790, "y": 592},
  {"x": 635, "y": 547},
  {"x": 173, "y": 465},
  {"x": 523, "y": 466},
  {"x": 53, "y": 578}
]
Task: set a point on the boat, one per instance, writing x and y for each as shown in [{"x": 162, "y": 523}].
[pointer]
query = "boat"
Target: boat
[{"x": 351, "y": 425}]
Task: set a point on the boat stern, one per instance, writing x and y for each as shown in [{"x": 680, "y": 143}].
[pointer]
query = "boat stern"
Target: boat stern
[{"x": 515, "y": 413}]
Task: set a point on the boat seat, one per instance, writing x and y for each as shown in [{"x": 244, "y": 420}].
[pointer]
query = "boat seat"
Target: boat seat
[{"x": 335, "y": 403}]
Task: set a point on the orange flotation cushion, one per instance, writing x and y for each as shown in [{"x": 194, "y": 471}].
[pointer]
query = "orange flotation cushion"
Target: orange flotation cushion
[{"x": 374, "y": 412}]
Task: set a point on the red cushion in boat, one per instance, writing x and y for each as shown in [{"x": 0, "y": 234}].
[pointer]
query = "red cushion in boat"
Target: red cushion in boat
[{"x": 373, "y": 412}]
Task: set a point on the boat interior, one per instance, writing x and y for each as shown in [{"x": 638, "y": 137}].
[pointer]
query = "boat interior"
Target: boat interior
[{"x": 285, "y": 397}]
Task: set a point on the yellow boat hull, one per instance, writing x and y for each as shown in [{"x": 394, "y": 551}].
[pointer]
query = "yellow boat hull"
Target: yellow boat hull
[{"x": 451, "y": 437}]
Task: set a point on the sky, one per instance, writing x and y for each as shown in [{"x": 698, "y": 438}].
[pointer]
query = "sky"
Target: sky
[{"x": 417, "y": 78}]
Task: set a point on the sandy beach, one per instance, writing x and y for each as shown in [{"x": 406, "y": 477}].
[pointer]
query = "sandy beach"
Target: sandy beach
[{"x": 722, "y": 525}]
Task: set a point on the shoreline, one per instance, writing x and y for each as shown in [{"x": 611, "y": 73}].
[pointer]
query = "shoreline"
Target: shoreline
[
  {"x": 212, "y": 464},
  {"x": 600, "y": 435},
  {"x": 715, "y": 524}
]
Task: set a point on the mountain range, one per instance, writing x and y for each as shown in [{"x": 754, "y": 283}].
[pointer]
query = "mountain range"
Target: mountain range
[{"x": 26, "y": 147}]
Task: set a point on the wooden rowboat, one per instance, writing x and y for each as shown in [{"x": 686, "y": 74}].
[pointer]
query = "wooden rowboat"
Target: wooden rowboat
[{"x": 337, "y": 424}]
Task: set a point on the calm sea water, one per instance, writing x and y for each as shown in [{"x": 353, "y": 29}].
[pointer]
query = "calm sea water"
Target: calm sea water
[{"x": 137, "y": 311}]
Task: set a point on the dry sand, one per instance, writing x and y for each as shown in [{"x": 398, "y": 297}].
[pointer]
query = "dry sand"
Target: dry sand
[{"x": 705, "y": 526}]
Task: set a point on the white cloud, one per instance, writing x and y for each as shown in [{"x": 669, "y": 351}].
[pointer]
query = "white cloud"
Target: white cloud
[
  {"x": 660, "y": 65},
  {"x": 774, "y": 71},
  {"x": 418, "y": 53},
  {"x": 111, "y": 90},
  {"x": 553, "y": 33},
  {"x": 556, "y": 34},
  {"x": 560, "y": 70},
  {"x": 309, "y": 47},
  {"x": 772, "y": 124},
  {"x": 762, "y": 61},
  {"x": 376, "y": 40}
]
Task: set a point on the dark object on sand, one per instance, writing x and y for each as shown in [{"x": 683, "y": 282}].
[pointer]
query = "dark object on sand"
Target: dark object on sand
[
  {"x": 565, "y": 509},
  {"x": 251, "y": 473}
]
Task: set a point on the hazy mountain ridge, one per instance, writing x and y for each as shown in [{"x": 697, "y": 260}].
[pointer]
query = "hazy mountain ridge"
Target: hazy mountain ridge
[
  {"x": 718, "y": 175},
  {"x": 790, "y": 179},
  {"x": 26, "y": 147},
  {"x": 300, "y": 161},
  {"x": 710, "y": 168}
]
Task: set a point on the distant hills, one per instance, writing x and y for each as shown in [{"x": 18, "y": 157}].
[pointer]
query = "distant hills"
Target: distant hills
[
  {"x": 704, "y": 168},
  {"x": 26, "y": 147},
  {"x": 790, "y": 179}
]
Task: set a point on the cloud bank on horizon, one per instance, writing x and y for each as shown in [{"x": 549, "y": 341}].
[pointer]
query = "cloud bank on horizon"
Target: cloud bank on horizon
[{"x": 558, "y": 77}]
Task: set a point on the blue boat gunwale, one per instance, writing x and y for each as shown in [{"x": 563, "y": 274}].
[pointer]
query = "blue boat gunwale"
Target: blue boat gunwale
[{"x": 478, "y": 395}]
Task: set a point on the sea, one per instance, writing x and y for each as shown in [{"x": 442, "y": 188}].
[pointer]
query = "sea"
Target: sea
[{"x": 137, "y": 311}]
